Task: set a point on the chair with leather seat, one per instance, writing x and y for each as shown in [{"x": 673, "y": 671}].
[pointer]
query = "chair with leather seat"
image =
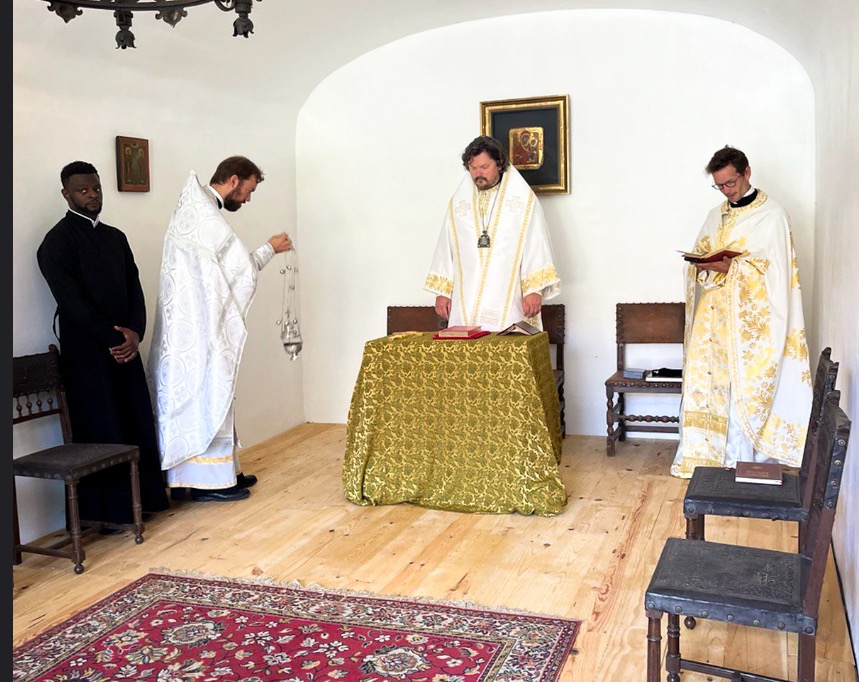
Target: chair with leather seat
[
  {"x": 641, "y": 323},
  {"x": 713, "y": 490},
  {"x": 751, "y": 586},
  {"x": 37, "y": 393}
]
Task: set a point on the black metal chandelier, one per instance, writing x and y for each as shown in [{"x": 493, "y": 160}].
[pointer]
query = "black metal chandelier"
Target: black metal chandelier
[{"x": 169, "y": 11}]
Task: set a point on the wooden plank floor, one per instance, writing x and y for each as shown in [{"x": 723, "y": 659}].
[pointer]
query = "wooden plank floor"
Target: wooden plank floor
[{"x": 592, "y": 562}]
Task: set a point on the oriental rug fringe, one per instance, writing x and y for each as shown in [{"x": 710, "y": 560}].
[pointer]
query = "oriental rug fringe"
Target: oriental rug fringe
[{"x": 184, "y": 627}]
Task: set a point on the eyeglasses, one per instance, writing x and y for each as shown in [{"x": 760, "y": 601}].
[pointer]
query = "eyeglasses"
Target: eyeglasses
[{"x": 730, "y": 184}]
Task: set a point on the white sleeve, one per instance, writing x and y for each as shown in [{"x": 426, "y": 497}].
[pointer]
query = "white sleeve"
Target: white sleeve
[
  {"x": 263, "y": 255},
  {"x": 439, "y": 279}
]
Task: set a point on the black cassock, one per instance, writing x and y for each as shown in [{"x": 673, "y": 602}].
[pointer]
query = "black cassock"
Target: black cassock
[{"x": 94, "y": 279}]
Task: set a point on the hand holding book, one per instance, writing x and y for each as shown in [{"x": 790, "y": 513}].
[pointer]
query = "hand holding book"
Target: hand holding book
[{"x": 710, "y": 257}]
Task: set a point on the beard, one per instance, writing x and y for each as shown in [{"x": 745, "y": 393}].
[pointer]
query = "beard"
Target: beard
[{"x": 231, "y": 204}]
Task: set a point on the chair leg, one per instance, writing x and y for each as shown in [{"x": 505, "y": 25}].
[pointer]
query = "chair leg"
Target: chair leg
[
  {"x": 16, "y": 531},
  {"x": 75, "y": 526},
  {"x": 695, "y": 527},
  {"x": 672, "y": 654},
  {"x": 609, "y": 420},
  {"x": 621, "y": 423},
  {"x": 654, "y": 642},
  {"x": 805, "y": 658},
  {"x": 136, "y": 505}
]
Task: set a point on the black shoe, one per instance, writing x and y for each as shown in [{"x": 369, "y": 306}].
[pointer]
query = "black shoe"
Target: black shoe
[
  {"x": 243, "y": 481},
  {"x": 219, "y": 494}
]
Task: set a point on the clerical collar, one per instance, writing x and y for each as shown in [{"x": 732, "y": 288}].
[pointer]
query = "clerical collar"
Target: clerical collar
[
  {"x": 215, "y": 195},
  {"x": 86, "y": 217},
  {"x": 747, "y": 198}
]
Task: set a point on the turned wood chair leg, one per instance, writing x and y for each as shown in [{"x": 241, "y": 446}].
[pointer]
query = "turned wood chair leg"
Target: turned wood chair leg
[
  {"x": 805, "y": 658},
  {"x": 75, "y": 526},
  {"x": 621, "y": 422},
  {"x": 672, "y": 653},
  {"x": 654, "y": 648},
  {"x": 695, "y": 527},
  {"x": 609, "y": 420},
  {"x": 136, "y": 505}
]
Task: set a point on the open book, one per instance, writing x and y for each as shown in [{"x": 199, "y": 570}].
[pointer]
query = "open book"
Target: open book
[
  {"x": 710, "y": 257},
  {"x": 520, "y": 327}
]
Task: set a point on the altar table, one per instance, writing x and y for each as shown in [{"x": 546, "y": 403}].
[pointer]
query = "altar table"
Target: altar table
[{"x": 461, "y": 425}]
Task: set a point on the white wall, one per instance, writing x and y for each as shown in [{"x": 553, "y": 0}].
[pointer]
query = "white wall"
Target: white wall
[
  {"x": 73, "y": 92},
  {"x": 836, "y": 77},
  {"x": 378, "y": 146}
]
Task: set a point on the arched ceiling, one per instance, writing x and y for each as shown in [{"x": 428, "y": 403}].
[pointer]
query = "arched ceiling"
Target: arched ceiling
[{"x": 297, "y": 44}]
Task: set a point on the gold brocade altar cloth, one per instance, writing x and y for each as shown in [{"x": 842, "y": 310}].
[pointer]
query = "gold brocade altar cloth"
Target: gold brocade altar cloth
[{"x": 461, "y": 425}]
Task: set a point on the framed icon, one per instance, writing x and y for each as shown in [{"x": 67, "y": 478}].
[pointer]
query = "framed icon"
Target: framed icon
[
  {"x": 534, "y": 132},
  {"x": 132, "y": 164}
]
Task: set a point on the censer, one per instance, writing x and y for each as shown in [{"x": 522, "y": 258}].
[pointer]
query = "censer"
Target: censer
[{"x": 290, "y": 333}]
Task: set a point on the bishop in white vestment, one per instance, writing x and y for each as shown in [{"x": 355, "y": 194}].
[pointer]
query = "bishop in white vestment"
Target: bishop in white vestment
[{"x": 493, "y": 249}]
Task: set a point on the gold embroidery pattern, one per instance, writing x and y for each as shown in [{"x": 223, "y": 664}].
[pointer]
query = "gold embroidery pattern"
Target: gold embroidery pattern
[
  {"x": 537, "y": 281},
  {"x": 403, "y": 446},
  {"x": 795, "y": 345},
  {"x": 705, "y": 421},
  {"x": 442, "y": 285}
]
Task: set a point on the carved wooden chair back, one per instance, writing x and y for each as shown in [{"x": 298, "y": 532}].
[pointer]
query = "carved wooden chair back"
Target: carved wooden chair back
[
  {"x": 713, "y": 491},
  {"x": 37, "y": 393},
  {"x": 763, "y": 588},
  {"x": 641, "y": 323},
  {"x": 417, "y": 318}
]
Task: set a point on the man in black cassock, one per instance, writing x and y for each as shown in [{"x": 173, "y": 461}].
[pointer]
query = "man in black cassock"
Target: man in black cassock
[{"x": 102, "y": 317}]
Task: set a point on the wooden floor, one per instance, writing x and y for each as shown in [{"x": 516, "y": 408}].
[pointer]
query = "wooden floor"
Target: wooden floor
[{"x": 592, "y": 562}]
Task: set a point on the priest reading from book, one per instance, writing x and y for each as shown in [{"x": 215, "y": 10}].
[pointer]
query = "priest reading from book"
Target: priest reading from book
[
  {"x": 493, "y": 263},
  {"x": 746, "y": 376}
]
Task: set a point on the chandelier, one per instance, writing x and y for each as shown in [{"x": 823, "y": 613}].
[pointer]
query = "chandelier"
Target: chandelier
[{"x": 169, "y": 11}]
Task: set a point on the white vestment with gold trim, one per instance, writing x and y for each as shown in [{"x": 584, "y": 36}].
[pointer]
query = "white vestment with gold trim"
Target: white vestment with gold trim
[
  {"x": 487, "y": 285},
  {"x": 746, "y": 377},
  {"x": 207, "y": 282}
]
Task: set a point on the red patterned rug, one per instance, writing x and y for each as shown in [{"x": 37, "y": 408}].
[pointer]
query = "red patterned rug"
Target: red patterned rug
[{"x": 179, "y": 628}]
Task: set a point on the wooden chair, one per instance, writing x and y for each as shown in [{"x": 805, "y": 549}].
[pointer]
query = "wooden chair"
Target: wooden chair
[
  {"x": 414, "y": 318},
  {"x": 554, "y": 323},
  {"x": 641, "y": 323},
  {"x": 751, "y": 586},
  {"x": 425, "y": 319},
  {"x": 713, "y": 491},
  {"x": 37, "y": 393}
]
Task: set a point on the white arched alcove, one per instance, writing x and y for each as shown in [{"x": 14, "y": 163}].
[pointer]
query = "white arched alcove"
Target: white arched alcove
[{"x": 652, "y": 96}]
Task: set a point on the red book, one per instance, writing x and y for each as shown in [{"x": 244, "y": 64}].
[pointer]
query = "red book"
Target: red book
[
  {"x": 461, "y": 332},
  {"x": 711, "y": 257},
  {"x": 758, "y": 472}
]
